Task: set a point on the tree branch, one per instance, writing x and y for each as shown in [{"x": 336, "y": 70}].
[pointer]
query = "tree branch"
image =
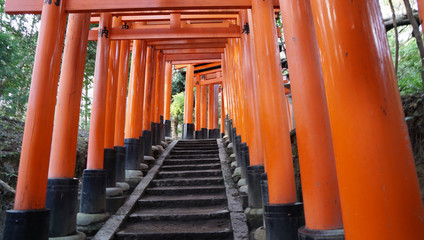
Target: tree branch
[{"x": 401, "y": 20}]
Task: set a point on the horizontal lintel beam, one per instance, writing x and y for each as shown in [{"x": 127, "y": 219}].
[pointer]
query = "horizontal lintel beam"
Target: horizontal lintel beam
[
  {"x": 203, "y": 61},
  {"x": 193, "y": 57},
  {"x": 212, "y": 81},
  {"x": 193, "y": 50},
  {"x": 74, "y": 6},
  {"x": 168, "y": 33}
]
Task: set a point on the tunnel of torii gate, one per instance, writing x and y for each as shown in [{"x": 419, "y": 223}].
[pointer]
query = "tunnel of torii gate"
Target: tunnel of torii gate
[{"x": 357, "y": 168}]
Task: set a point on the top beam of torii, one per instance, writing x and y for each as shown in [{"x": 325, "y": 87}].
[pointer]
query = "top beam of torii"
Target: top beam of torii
[{"x": 74, "y": 6}]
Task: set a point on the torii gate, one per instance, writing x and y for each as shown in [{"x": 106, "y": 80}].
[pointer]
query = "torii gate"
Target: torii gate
[{"x": 361, "y": 155}]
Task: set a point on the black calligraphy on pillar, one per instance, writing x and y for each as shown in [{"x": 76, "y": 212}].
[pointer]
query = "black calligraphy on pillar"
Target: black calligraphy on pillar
[
  {"x": 246, "y": 29},
  {"x": 104, "y": 32},
  {"x": 57, "y": 2},
  {"x": 125, "y": 26}
]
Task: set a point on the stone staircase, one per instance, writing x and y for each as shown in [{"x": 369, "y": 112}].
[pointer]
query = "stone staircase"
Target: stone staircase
[{"x": 186, "y": 200}]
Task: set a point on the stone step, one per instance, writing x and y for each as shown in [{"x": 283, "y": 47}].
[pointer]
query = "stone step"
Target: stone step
[
  {"x": 193, "y": 152},
  {"x": 208, "y": 147},
  {"x": 196, "y": 145},
  {"x": 180, "y": 214},
  {"x": 190, "y": 161},
  {"x": 194, "y": 156},
  {"x": 198, "y": 141},
  {"x": 189, "y": 174},
  {"x": 182, "y": 201},
  {"x": 178, "y": 230},
  {"x": 185, "y": 190},
  {"x": 187, "y": 182},
  {"x": 191, "y": 167}
]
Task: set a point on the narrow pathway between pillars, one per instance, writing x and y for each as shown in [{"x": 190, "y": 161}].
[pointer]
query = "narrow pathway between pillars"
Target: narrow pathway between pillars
[{"x": 186, "y": 200}]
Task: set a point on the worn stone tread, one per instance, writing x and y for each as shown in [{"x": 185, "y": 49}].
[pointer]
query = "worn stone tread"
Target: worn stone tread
[{"x": 179, "y": 190}]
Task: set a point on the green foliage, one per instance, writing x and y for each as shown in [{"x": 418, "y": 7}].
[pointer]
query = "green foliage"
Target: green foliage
[
  {"x": 177, "y": 105},
  {"x": 86, "y": 99},
  {"x": 18, "y": 38},
  {"x": 409, "y": 77},
  {"x": 178, "y": 82}
]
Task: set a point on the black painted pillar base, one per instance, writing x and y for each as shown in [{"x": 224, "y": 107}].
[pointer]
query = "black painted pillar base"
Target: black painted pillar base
[
  {"x": 283, "y": 220},
  {"x": 236, "y": 146},
  {"x": 244, "y": 159},
  {"x": 147, "y": 142},
  {"x": 167, "y": 128},
  {"x": 109, "y": 164},
  {"x": 121, "y": 153},
  {"x": 154, "y": 133},
  {"x": 198, "y": 135},
  {"x": 132, "y": 161},
  {"x": 204, "y": 133},
  {"x": 230, "y": 130},
  {"x": 222, "y": 135},
  {"x": 162, "y": 129},
  {"x": 188, "y": 131},
  {"x": 157, "y": 137},
  {"x": 93, "y": 191},
  {"x": 62, "y": 200},
  {"x": 264, "y": 189},
  {"x": 26, "y": 224},
  {"x": 308, "y": 234},
  {"x": 217, "y": 133},
  {"x": 211, "y": 134},
  {"x": 140, "y": 150},
  {"x": 254, "y": 184}
]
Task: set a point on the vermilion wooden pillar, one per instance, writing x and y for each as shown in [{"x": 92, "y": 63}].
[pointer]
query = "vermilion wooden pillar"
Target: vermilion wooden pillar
[
  {"x": 256, "y": 161},
  {"x": 216, "y": 111},
  {"x": 250, "y": 81},
  {"x": 142, "y": 86},
  {"x": 228, "y": 129},
  {"x": 161, "y": 99},
  {"x": 65, "y": 132},
  {"x": 188, "y": 127},
  {"x": 222, "y": 112},
  {"x": 168, "y": 96},
  {"x": 421, "y": 9},
  {"x": 121, "y": 101},
  {"x": 204, "y": 110},
  {"x": 210, "y": 110},
  {"x": 371, "y": 143},
  {"x": 155, "y": 98},
  {"x": 62, "y": 193},
  {"x": 93, "y": 196},
  {"x": 112, "y": 86},
  {"x": 147, "y": 133},
  {"x": 133, "y": 145},
  {"x": 29, "y": 207},
  {"x": 63, "y": 203},
  {"x": 197, "y": 124},
  {"x": 274, "y": 131},
  {"x": 240, "y": 90},
  {"x": 313, "y": 133},
  {"x": 119, "y": 136}
]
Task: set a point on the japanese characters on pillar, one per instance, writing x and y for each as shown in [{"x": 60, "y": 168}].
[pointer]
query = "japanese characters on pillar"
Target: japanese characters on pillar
[
  {"x": 112, "y": 88},
  {"x": 98, "y": 111}
]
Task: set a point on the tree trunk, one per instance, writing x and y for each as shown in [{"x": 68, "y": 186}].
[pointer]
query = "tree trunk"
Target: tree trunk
[
  {"x": 175, "y": 128},
  {"x": 396, "y": 36},
  {"x": 417, "y": 35}
]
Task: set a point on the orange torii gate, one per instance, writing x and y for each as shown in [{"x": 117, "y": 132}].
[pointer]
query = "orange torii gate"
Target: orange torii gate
[{"x": 360, "y": 156}]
